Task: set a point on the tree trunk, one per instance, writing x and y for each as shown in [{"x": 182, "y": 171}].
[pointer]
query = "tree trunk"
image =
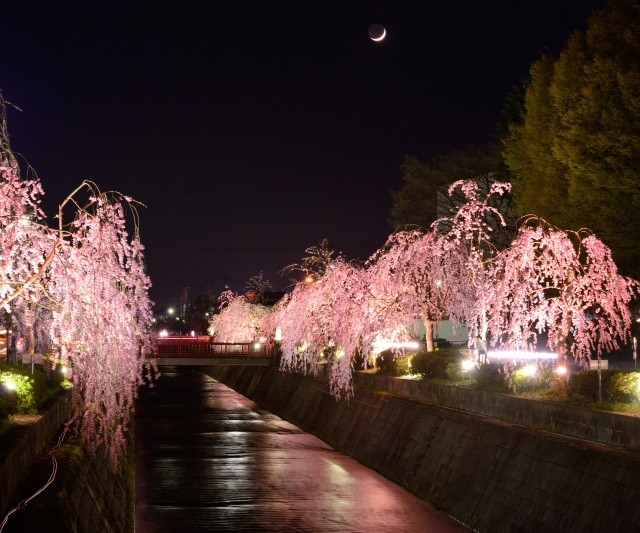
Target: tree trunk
[
  {"x": 562, "y": 348},
  {"x": 428, "y": 334}
]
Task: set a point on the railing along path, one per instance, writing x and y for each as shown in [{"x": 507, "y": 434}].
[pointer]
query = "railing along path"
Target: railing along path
[{"x": 202, "y": 350}]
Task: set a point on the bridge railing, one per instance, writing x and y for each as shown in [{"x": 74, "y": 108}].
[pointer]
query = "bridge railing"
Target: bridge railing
[{"x": 202, "y": 346}]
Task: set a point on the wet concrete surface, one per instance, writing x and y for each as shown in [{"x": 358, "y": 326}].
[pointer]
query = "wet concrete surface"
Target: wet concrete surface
[{"x": 209, "y": 459}]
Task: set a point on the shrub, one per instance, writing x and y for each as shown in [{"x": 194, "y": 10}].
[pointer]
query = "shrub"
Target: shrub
[
  {"x": 31, "y": 390},
  {"x": 521, "y": 381},
  {"x": 585, "y": 383},
  {"x": 439, "y": 364},
  {"x": 8, "y": 403},
  {"x": 624, "y": 387},
  {"x": 23, "y": 389},
  {"x": 490, "y": 376},
  {"x": 393, "y": 364}
]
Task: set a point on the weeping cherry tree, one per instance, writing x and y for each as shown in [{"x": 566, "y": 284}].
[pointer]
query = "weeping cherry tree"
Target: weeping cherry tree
[
  {"x": 562, "y": 283},
  {"x": 239, "y": 320},
  {"x": 404, "y": 278},
  {"x": 467, "y": 256},
  {"x": 84, "y": 288}
]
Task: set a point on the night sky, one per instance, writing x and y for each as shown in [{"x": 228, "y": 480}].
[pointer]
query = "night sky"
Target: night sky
[{"x": 254, "y": 129}]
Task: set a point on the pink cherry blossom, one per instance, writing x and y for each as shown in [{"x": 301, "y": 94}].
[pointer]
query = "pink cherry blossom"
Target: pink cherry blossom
[{"x": 81, "y": 291}]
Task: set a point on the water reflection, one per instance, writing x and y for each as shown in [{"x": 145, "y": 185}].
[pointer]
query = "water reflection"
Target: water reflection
[{"x": 208, "y": 459}]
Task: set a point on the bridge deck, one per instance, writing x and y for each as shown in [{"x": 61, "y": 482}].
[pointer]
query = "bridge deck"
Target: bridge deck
[
  {"x": 224, "y": 360},
  {"x": 201, "y": 350}
]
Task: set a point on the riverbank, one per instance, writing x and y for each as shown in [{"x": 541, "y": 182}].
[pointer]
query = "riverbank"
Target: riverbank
[
  {"x": 491, "y": 474},
  {"x": 86, "y": 494}
]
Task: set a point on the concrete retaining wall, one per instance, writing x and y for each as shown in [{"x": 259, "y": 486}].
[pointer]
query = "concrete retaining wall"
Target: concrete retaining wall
[
  {"x": 20, "y": 447},
  {"x": 93, "y": 497},
  {"x": 613, "y": 429},
  {"x": 86, "y": 495},
  {"x": 490, "y": 474}
]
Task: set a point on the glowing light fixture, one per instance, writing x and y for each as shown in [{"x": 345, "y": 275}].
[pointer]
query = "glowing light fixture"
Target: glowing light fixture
[
  {"x": 10, "y": 384},
  {"x": 380, "y": 346},
  {"x": 561, "y": 370},
  {"x": 164, "y": 333},
  {"x": 518, "y": 354},
  {"x": 170, "y": 311},
  {"x": 467, "y": 365},
  {"x": 256, "y": 346},
  {"x": 278, "y": 335},
  {"x": 529, "y": 370}
]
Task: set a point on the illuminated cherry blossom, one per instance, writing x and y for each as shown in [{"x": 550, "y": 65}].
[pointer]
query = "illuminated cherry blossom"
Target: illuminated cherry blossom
[
  {"x": 564, "y": 284},
  {"x": 101, "y": 319},
  {"x": 27, "y": 246},
  {"x": 80, "y": 291},
  {"x": 322, "y": 322},
  {"x": 405, "y": 279},
  {"x": 467, "y": 256},
  {"x": 239, "y": 320}
]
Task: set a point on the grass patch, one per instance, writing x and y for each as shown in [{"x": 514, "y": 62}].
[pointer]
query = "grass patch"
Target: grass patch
[{"x": 22, "y": 392}]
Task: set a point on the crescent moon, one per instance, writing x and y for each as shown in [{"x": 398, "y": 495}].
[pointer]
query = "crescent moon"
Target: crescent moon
[{"x": 384, "y": 34}]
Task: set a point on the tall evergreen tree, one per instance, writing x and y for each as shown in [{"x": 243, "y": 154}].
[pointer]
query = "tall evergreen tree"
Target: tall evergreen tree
[
  {"x": 416, "y": 202},
  {"x": 576, "y": 153}
]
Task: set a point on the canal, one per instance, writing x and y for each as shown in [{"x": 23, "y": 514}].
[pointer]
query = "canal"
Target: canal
[{"x": 209, "y": 459}]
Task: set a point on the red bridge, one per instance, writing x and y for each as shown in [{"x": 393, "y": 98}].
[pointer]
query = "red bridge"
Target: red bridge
[{"x": 201, "y": 350}]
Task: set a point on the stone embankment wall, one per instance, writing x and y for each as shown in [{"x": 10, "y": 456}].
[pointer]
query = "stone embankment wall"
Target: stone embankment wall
[
  {"x": 86, "y": 495},
  {"x": 20, "y": 447},
  {"x": 493, "y": 475},
  {"x": 93, "y": 497},
  {"x": 613, "y": 429}
]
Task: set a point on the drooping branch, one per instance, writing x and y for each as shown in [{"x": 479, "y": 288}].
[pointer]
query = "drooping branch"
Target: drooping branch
[{"x": 83, "y": 282}]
